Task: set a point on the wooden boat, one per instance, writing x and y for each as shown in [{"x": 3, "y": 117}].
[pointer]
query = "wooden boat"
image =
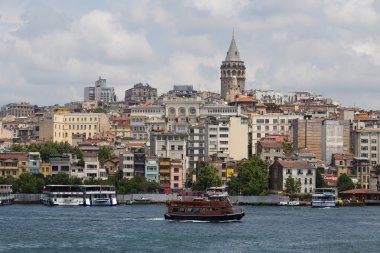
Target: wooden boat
[{"x": 213, "y": 207}]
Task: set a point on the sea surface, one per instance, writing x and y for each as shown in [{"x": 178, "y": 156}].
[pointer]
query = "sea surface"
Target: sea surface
[{"x": 142, "y": 228}]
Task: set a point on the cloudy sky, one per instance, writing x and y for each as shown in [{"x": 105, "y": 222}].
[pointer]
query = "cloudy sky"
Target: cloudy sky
[{"x": 50, "y": 50}]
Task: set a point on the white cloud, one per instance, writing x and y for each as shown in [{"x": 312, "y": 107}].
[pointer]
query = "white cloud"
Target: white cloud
[
  {"x": 327, "y": 47},
  {"x": 224, "y": 8}
]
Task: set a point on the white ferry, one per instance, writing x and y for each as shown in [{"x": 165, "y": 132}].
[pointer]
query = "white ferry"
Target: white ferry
[
  {"x": 63, "y": 195},
  {"x": 324, "y": 197},
  {"x": 6, "y": 195},
  {"x": 99, "y": 195}
]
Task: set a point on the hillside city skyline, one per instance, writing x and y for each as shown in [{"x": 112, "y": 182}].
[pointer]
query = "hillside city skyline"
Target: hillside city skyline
[{"x": 286, "y": 47}]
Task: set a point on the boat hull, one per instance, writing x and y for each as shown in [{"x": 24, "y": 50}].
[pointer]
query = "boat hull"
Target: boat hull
[
  {"x": 323, "y": 204},
  {"x": 213, "y": 218}
]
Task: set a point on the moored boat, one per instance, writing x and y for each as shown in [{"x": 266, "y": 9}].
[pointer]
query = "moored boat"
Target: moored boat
[
  {"x": 324, "y": 197},
  {"x": 99, "y": 195},
  {"x": 6, "y": 195},
  {"x": 215, "y": 207},
  {"x": 62, "y": 195}
]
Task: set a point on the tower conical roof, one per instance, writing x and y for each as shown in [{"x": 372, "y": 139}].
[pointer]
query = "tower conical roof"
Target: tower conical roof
[{"x": 233, "y": 53}]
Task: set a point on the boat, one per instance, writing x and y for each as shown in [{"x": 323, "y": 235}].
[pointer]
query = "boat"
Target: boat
[
  {"x": 6, "y": 195},
  {"x": 215, "y": 206},
  {"x": 289, "y": 202},
  {"x": 99, "y": 195},
  {"x": 79, "y": 195},
  {"x": 142, "y": 200},
  {"x": 62, "y": 195},
  {"x": 324, "y": 197}
]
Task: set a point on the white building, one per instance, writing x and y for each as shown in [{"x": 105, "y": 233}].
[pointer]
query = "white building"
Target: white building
[{"x": 100, "y": 92}]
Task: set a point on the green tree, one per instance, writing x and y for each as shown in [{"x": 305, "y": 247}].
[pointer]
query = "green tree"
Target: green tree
[
  {"x": 29, "y": 183},
  {"x": 319, "y": 180},
  {"x": 18, "y": 148},
  {"x": 287, "y": 147},
  {"x": 292, "y": 186},
  {"x": 104, "y": 154},
  {"x": 207, "y": 177},
  {"x": 345, "y": 183},
  {"x": 100, "y": 110},
  {"x": 252, "y": 178}
]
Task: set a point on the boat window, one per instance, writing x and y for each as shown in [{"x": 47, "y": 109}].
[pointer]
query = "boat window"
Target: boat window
[
  {"x": 194, "y": 210},
  {"x": 178, "y": 209}
]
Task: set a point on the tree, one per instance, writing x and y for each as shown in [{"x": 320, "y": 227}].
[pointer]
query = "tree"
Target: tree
[
  {"x": 319, "y": 180},
  {"x": 345, "y": 183},
  {"x": 287, "y": 147},
  {"x": 105, "y": 153},
  {"x": 100, "y": 110},
  {"x": 292, "y": 186},
  {"x": 252, "y": 178},
  {"x": 207, "y": 177},
  {"x": 29, "y": 183}
]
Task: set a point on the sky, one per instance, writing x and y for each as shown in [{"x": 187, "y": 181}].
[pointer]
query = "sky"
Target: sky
[{"x": 50, "y": 50}]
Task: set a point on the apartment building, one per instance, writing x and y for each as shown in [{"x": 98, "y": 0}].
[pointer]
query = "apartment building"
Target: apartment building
[
  {"x": 269, "y": 150},
  {"x": 361, "y": 171},
  {"x": 140, "y": 93},
  {"x": 100, "y": 92},
  {"x": 271, "y": 124},
  {"x": 22, "y": 109},
  {"x": 307, "y": 134},
  {"x": 13, "y": 164},
  {"x": 366, "y": 143},
  {"x": 196, "y": 145},
  {"x": 152, "y": 169},
  {"x": 176, "y": 175},
  {"x": 335, "y": 138},
  {"x": 63, "y": 125},
  {"x": 127, "y": 164}
]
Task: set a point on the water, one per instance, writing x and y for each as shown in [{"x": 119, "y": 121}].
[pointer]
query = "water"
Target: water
[{"x": 141, "y": 228}]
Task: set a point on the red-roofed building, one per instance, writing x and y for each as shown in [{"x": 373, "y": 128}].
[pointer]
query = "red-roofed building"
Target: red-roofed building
[{"x": 268, "y": 150}]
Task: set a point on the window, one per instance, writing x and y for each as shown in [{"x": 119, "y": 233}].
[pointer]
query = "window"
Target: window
[
  {"x": 176, "y": 178},
  {"x": 305, "y": 180},
  {"x": 172, "y": 147},
  {"x": 373, "y": 141},
  {"x": 311, "y": 181},
  {"x": 176, "y": 170},
  {"x": 258, "y": 121},
  {"x": 275, "y": 121},
  {"x": 180, "y": 147},
  {"x": 258, "y": 127},
  {"x": 266, "y": 121},
  {"x": 258, "y": 135},
  {"x": 163, "y": 147},
  {"x": 364, "y": 140},
  {"x": 223, "y": 135},
  {"x": 266, "y": 128},
  {"x": 364, "y": 148},
  {"x": 373, "y": 148}
]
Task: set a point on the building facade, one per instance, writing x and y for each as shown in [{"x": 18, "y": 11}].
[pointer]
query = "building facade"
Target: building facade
[
  {"x": 140, "y": 93},
  {"x": 100, "y": 92}
]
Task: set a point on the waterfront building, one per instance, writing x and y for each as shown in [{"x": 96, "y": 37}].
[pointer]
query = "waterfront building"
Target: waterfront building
[
  {"x": 127, "y": 164},
  {"x": 63, "y": 125},
  {"x": 231, "y": 67},
  {"x": 144, "y": 119},
  {"x": 60, "y": 164},
  {"x": 176, "y": 175},
  {"x": 271, "y": 124},
  {"x": 13, "y": 164},
  {"x": 361, "y": 171},
  {"x": 45, "y": 168},
  {"x": 92, "y": 166},
  {"x": 140, "y": 94},
  {"x": 34, "y": 162},
  {"x": 100, "y": 92},
  {"x": 335, "y": 138},
  {"x": 302, "y": 171},
  {"x": 151, "y": 169},
  {"x": 139, "y": 156},
  {"x": 164, "y": 171}
]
